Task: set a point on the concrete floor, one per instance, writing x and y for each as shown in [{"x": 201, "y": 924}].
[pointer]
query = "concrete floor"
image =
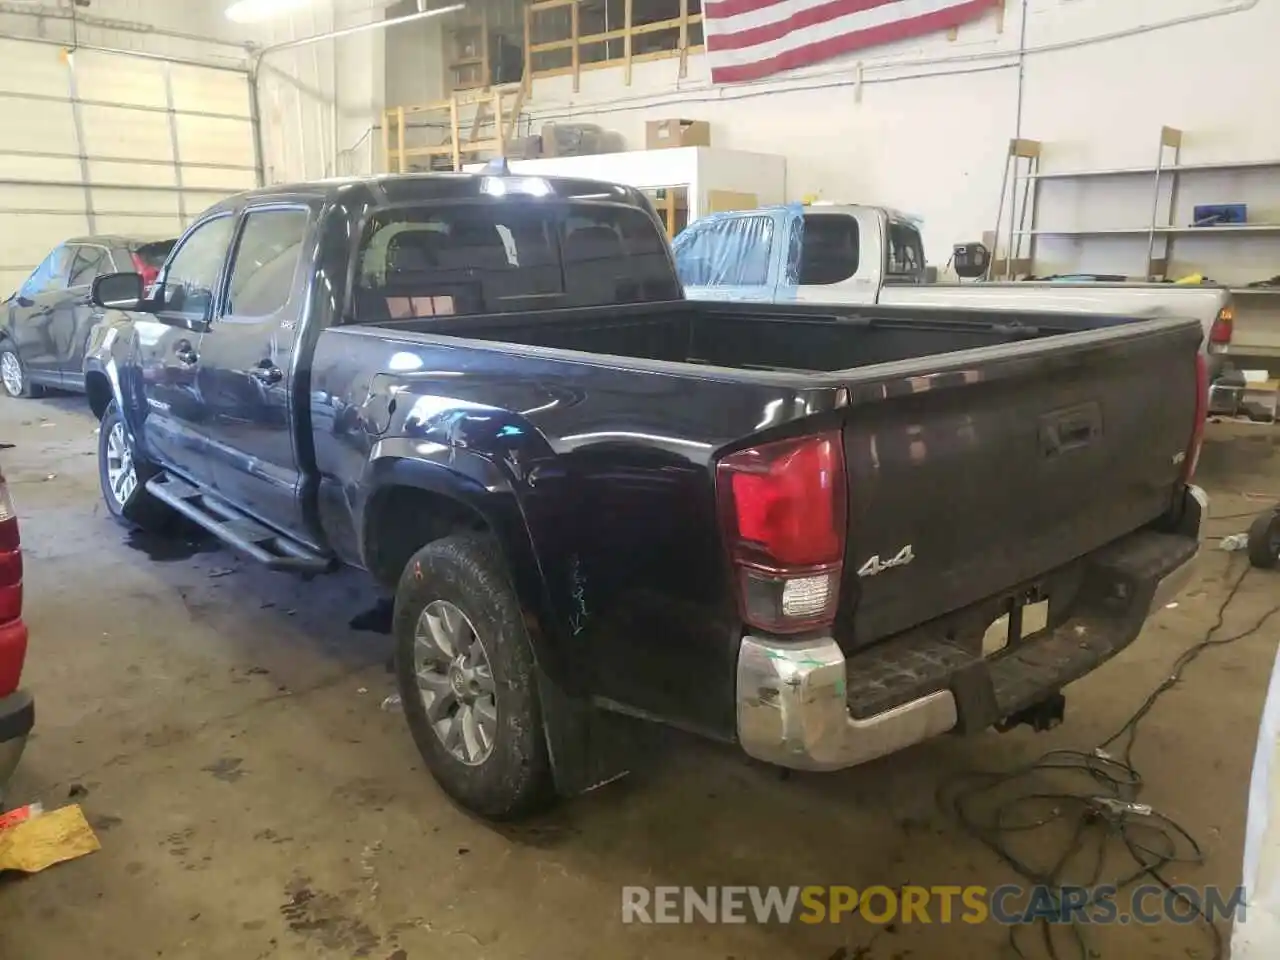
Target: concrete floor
[{"x": 222, "y": 728}]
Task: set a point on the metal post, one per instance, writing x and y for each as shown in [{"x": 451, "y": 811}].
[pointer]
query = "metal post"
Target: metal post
[
  {"x": 333, "y": 93},
  {"x": 173, "y": 144},
  {"x": 255, "y": 122},
  {"x": 81, "y": 148}
]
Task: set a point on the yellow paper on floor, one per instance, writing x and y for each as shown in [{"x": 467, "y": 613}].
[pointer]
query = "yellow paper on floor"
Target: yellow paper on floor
[{"x": 50, "y": 838}]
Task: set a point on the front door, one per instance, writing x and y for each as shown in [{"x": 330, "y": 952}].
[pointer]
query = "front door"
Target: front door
[
  {"x": 75, "y": 314},
  {"x": 32, "y": 314},
  {"x": 246, "y": 374},
  {"x": 169, "y": 350}
]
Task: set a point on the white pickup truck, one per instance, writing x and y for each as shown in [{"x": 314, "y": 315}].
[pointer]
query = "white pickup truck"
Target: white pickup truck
[{"x": 829, "y": 253}]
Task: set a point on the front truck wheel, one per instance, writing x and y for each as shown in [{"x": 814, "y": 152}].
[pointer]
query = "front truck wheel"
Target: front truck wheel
[
  {"x": 123, "y": 477},
  {"x": 1264, "y": 540},
  {"x": 465, "y": 669}
]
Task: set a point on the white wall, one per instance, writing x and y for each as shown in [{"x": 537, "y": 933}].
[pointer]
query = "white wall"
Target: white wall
[
  {"x": 319, "y": 103},
  {"x": 927, "y": 128}
]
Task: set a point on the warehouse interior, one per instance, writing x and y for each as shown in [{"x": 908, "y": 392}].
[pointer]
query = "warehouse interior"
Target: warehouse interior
[{"x": 228, "y": 742}]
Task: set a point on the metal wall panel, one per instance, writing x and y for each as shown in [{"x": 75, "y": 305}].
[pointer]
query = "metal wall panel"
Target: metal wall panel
[{"x": 113, "y": 143}]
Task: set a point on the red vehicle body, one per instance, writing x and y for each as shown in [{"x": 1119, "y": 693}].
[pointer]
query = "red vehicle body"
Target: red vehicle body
[{"x": 17, "y": 709}]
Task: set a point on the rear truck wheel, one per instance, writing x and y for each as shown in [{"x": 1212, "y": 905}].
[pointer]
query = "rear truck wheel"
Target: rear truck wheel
[
  {"x": 1264, "y": 540},
  {"x": 124, "y": 478},
  {"x": 465, "y": 671},
  {"x": 13, "y": 374}
]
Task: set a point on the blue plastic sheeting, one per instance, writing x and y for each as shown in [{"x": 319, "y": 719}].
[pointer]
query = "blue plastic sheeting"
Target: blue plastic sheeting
[
  {"x": 793, "y": 229},
  {"x": 735, "y": 250}
]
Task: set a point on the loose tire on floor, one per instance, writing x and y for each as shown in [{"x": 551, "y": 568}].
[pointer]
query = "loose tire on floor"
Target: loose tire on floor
[
  {"x": 1264, "y": 540},
  {"x": 13, "y": 374},
  {"x": 127, "y": 501},
  {"x": 459, "y": 678}
]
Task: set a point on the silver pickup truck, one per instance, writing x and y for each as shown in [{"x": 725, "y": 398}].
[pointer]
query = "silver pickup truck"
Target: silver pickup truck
[{"x": 858, "y": 254}]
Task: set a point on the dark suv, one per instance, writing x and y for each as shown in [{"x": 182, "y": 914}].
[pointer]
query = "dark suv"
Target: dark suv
[{"x": 45, "y": 325}]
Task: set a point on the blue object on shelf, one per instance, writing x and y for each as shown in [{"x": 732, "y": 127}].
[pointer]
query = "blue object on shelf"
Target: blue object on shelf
[{"x": 1218, "y": 214}]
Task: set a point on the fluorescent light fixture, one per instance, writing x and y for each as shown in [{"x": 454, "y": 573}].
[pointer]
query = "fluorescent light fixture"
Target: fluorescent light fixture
[{"x": 253, "y": 11}]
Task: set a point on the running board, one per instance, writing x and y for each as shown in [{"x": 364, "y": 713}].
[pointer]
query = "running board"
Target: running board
[{"x": 271, "y": 549}]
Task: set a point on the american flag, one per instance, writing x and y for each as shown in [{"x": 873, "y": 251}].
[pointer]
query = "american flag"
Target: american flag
[{"x": 749, "y": 39}]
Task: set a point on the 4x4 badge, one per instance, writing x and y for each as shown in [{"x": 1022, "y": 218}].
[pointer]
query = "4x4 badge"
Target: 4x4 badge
[{"x": 876, "y": 565}]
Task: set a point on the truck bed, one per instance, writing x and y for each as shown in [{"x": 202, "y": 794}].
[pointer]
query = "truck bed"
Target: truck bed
[
  {"x": 760, "y": 337},
  {"x": 996, "y": 447}
]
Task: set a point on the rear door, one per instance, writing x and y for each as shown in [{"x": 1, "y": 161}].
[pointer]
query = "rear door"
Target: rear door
[
  {"x": 75, "y": 315},
  {"x": 246, "y": 374},
  {"x": 34, "y": 310},
  {"x": 990, "y": 474}
]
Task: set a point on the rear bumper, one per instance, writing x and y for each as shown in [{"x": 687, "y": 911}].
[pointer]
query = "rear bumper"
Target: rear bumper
[{"x": 805, "y": 705}]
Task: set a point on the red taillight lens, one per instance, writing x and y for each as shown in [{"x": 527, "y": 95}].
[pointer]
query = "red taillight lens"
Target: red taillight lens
[
  {"x": 10, "y": 559},
  {"x": 1202, "y": 414},
  {"x": 782, "y": 505},
  {"x": 1223, "y": 326},
  {"x": 146, "y": 271}
]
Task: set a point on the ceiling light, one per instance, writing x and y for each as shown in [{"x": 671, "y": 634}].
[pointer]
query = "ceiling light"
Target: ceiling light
[{"x": 252, "y": 11}]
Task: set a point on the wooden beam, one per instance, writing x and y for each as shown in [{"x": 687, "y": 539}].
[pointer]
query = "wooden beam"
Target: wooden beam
[
  {"x": 386, "y": 140},
  {"x": 684, "y": 38},
  {"x": 515, "y": 115},
  {"x": 626, "y": 41},
  {"x": 453, "y": 129},
  {"x": 484, "y": 48},
  {"x": 573, "y": 35},
  {"x": 498, "y": 132},
  {"x": 526, "y": 80},
  {"x": 400, "y": 139}
]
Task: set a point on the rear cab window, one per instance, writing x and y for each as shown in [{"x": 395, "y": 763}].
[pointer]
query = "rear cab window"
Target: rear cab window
[
  {"x": 498, "y": 256},
  {"x": 904, "y": 257},
  {"x": 829, "y": 253}
]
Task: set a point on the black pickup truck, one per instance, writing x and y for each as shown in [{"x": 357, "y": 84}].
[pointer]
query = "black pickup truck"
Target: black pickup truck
[{"x": 789, "y": 528}]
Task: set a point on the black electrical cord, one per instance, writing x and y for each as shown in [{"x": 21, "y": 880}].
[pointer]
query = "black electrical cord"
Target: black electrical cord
[{"x": 1093, "y": 796}]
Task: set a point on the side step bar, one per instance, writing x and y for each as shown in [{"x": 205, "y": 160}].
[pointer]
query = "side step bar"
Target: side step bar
[{"x": 271, "y": 549}]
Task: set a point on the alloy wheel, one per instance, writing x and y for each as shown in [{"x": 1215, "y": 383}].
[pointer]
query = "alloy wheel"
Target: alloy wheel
[
  {"x": 122, "y": 477},
  {"x": 11, "y": 373},
  {"x": 455, "y": 681}
]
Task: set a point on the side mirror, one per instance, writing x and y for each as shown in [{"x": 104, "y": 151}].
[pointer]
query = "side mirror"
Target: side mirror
[
  {"x": 118, "y": 291},
  {"x": 970, "y": 260}
]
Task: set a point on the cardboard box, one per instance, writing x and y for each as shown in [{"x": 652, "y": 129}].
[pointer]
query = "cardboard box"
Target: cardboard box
[{"x": 659, "y": 134}]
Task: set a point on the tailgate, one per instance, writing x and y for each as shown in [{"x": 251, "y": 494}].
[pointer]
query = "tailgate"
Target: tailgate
[{"x": 997, "y": 470}]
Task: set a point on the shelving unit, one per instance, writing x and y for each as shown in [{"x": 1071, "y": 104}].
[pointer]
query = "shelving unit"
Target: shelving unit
[
  {"x": 567, "y": 37},
  {"x": 1164, "y": 181}
]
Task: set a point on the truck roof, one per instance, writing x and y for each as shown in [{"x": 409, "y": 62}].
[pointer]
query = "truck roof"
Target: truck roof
[{"x": 408, "y": 187}]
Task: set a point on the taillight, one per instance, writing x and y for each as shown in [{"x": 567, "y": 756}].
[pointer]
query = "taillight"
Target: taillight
[
  {"x": 10, "y": 560},
  {"x": 782, "y": 506},
  {"x": 1223, "y": 326},
  {"x": 146, "y": 271},
  {"x": 1202, "y": 414}
]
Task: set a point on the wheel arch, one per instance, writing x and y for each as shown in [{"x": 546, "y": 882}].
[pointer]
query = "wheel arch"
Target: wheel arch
[
  {"x": 410, "y": 499},
  {"x": 99, "y": 390},
  {"x": 472, "y": 493}
]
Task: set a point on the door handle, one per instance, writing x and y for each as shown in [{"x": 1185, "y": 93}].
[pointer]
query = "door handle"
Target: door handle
[
  {"x": 269, "y": 374},
  {"x": 185, "y": 352}
]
